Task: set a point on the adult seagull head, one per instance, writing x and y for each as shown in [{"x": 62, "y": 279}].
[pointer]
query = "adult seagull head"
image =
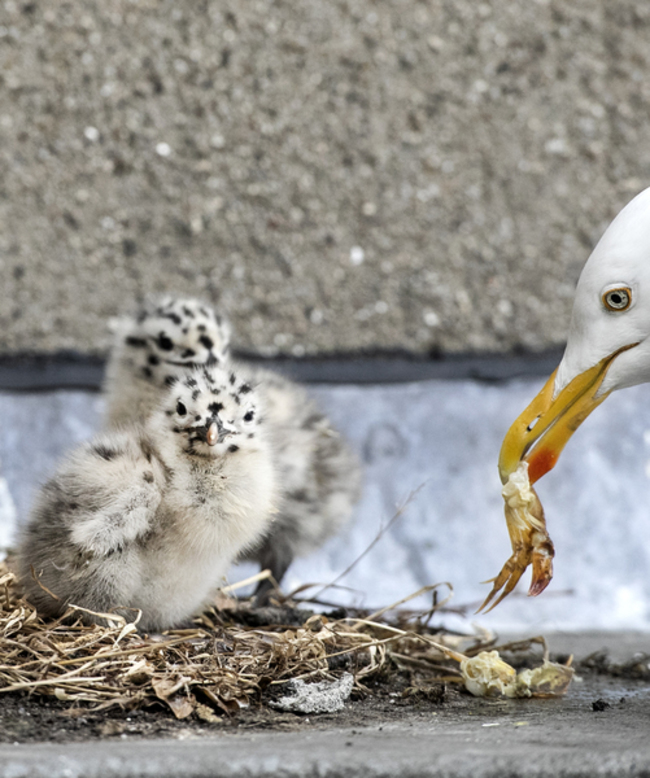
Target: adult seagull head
[{"x": 608, "y": 346}]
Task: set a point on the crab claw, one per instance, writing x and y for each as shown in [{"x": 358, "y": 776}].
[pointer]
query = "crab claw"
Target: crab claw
[
  {"x": 509, "y": 577},
  {"x": 537, "y": 551},
  {"x": 530, "y": 541},
  {"x": 542, "y": 561}
]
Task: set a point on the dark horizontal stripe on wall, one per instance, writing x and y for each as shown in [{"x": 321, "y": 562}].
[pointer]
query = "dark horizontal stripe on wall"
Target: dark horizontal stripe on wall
[
  {"x": 23, "y": 372},
  {"x": 62, "y": 370}
]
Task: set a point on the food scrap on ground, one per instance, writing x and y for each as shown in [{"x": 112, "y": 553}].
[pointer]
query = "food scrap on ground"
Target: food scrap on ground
[{"x": 487, "y": 675}]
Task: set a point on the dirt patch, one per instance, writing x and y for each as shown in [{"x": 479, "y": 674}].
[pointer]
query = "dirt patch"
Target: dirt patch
[{"x": 28, "y": 719}]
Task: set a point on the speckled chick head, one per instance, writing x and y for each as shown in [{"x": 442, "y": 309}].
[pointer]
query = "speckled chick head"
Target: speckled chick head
[
  {"x": 171, "y": 334},
  {"x": 213, "y": 413}
]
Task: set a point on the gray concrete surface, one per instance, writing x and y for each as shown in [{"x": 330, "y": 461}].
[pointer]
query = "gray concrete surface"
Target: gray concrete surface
[
  {"x": 437, "y": 441},
  {"x": 561, "y": 738},
  {"x": 580, "y": 747},
  {"x": 338, "y": 176}
]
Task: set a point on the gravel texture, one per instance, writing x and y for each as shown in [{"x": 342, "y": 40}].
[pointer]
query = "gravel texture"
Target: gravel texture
[{"x": 342, "y": 176}]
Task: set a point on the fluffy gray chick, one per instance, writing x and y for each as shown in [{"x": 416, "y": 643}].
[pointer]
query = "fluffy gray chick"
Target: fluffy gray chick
[
  {"x": 166, "y": 338},
  {"x": 151, "y": 516},
  {"x": 319, "y": 475}
]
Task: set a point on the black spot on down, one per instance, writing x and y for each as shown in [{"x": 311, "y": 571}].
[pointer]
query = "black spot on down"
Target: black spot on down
[
  {"x": 136, "y": 342},
  {"x": 104, "y": 452},
  {"x": 164, "y": 342}
]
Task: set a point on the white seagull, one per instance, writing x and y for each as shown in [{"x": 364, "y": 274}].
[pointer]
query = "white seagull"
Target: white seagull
[{"x": 608, "y": 348}]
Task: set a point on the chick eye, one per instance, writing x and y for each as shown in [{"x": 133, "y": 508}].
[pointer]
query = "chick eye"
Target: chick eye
[
  {"x": 249, "y": 416},
  {"x": 181, "y": 410},
  {"x": 618, "y": 299}
]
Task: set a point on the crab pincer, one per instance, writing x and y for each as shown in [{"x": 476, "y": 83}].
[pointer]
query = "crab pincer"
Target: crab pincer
[{"x": 530, "y": 541}]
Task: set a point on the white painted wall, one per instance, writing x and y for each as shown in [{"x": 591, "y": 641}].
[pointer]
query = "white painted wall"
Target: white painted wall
[{"x": 444, "y": 437}]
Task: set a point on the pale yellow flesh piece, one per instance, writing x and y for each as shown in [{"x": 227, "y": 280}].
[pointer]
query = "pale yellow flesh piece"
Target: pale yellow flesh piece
[
  {"x": 530, "y": 541},
  {"x": 487, "y": 675}
]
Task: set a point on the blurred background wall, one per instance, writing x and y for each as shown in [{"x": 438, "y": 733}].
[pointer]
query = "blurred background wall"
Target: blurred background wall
[
  {"x": 378, "y": 177},
  {"x": 426, "y": 175}
]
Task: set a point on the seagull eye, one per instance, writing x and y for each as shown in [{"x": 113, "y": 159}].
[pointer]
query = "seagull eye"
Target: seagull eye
[
  {"x": 181, "y": 410},
  {"x": 618, "y": 299}
]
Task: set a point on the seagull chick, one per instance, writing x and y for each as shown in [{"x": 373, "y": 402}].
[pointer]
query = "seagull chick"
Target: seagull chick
[
  {"x": 162, "y": 342},
  {"x": 150, "y": 517},
  {"x": 319, "y": 475}
]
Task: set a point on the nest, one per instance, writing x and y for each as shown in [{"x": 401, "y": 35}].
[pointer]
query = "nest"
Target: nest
[{"x": 218, "y": 666}]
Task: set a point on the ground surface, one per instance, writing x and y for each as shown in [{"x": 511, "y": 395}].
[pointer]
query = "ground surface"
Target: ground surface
[
  {"x": 612, "y": 678},
  {"x": 338, "y": 176},
  {"x": 599, "y": 729},
  {"x": 613, "y": 702}
]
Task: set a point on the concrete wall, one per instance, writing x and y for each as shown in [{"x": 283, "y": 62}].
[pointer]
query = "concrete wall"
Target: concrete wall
[{"x": 337, "y": 175}]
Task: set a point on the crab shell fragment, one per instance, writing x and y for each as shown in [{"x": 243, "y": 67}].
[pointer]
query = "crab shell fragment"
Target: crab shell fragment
[{"x": 487, "y": 675}]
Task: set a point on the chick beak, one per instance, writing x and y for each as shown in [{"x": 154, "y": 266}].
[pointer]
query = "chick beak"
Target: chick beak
[
  {"x": 540, "y": 433},
  {"x": 217, "y": 432},
  {"x": 212, "y": 434}
]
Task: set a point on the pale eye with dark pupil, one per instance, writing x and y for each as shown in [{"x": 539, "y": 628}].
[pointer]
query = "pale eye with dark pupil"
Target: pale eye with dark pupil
[{"x": 617, "y": 299}]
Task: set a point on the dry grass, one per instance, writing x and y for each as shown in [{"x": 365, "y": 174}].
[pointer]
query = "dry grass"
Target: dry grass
[{"x": 215, "y": 667}]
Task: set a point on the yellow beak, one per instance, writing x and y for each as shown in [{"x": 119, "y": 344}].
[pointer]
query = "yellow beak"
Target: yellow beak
[{"x": 540, "y": 433}]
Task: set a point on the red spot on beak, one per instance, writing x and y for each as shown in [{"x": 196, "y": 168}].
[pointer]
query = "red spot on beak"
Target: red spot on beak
[{"x": 540, "y": 462}]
